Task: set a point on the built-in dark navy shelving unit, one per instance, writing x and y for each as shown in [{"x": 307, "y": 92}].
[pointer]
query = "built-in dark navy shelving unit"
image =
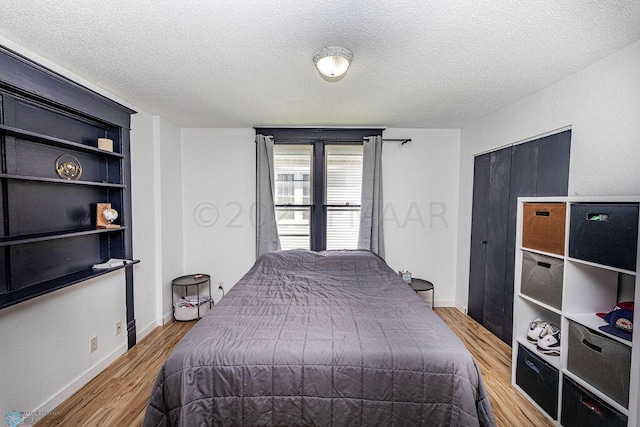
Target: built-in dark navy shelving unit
[{"x": 48, "y": 234}]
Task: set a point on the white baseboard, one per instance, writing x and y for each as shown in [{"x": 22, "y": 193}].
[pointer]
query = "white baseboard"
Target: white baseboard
[
  {"x": 144, "y": 332},
  {"x": 441, "y": 303},
  {"x": 167, "y": 318},
  {"x": 426, "y": 297},
  {"x": 463, "y": 309},
  {"x": 81, "y": 381}
]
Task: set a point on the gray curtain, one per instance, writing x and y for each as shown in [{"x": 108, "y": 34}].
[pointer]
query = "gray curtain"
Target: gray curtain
[
  {"x": 371, "y": 233},
  {"x": 267, "y": 239}
]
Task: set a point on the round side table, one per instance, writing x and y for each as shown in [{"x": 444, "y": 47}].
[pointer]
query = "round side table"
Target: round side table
[
  {"x": 191, "y": 280},
  {"x": 420, "y": 285}
]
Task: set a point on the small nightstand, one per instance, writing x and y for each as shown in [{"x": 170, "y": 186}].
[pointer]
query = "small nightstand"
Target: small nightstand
[
  {"x": 185, "y": 282},
  {"x": 420, "y": 285}
]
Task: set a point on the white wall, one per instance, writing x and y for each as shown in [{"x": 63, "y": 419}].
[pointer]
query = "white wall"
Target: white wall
[
  {"x": 601, "y": 104},
  {"x": 170, "y": 179},
  {"x": 147, "y": 239},
  {"x": 157, "y": 217},
  {"x": 219, "y": 195},
  {"x": 420, "y": 181},
  {"x": 45, "y": 342},
  {"x": 420, "y": 184}
]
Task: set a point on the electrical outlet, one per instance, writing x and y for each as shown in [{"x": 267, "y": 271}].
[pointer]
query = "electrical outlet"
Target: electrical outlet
[
  {"x": 94, "y": 344},
  {"x": 118, "y": 327},
  {"x": 220, "y": 285}
]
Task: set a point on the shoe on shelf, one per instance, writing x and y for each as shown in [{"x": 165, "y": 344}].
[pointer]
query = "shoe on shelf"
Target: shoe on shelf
[
  {"x": 549, "y": 344},
  {"x": 535, "y": 329}
]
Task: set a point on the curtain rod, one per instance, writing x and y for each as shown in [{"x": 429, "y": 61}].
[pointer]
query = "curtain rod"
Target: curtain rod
[{"x": 402, "y": 141}]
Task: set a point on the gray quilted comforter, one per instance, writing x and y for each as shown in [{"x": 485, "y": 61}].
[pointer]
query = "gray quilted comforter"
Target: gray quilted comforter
[{"x": 331, "y": 338}]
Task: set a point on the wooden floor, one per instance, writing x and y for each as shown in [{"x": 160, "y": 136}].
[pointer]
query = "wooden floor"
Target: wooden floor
[
  {"x": 117, "y": 397},
  {"x": 494, "y": 359},
  {"x": 119, "y": 394}
]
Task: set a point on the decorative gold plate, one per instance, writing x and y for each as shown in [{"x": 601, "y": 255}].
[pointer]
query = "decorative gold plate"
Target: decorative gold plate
[{"x": 68, "y": 167}]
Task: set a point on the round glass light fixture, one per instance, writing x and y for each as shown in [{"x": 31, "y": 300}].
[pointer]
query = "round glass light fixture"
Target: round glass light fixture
[{"x": 332, "y": 61}]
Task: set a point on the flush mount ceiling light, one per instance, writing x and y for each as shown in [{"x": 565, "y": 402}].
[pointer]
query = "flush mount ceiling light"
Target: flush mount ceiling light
[{"x": 332, "y": 61}]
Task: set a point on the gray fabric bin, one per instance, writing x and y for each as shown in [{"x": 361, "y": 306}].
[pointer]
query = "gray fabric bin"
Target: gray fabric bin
[
  {"x": 601, "y": 361},
  {"x": 542, "y": 278}
]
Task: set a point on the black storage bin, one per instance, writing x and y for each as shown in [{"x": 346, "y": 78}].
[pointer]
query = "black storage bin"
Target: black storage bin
[
  {"x": 601, "y": 361},
  {"x": 580, "y": 408},
  {"x": 538, "y": 379},
  {"x": 542, "y": 278},
  {"x": 606, "y": 234}
]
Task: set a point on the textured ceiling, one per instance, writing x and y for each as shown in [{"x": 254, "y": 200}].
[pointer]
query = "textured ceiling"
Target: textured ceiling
[{"x": 435, "y": 64}]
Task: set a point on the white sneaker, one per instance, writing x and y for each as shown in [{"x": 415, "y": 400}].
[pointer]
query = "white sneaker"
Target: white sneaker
[
  {"x": 549, "y": 344},
  {"x": 535, "y": 329}
]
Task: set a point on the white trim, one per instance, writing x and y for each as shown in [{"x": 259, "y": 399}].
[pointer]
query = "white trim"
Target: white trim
[
  {"x": 167, "y": 318},
  {"x": 148, "y": 329},
  {"x": 82, "y": 380},
  {"x": 157, "y": 208},
  {"x": 447, "y": 303},
  {"x": 628, "y": 198},
  {"x": 461, "y": 308},
  {"x": 525, "y": 140}
]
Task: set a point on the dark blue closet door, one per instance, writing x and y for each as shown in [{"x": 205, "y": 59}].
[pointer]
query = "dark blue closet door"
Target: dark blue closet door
[
  {"x": 489, "y": 238},
  {"x": 495, "y": 239},
  {"x": 535, "y": 168},
  {"x": 481, "y": 174},
  {"x": 538, "y": 168}
]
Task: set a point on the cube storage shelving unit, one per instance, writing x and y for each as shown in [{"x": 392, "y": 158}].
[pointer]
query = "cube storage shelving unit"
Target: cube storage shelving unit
[{"x": 575, "y": 257}]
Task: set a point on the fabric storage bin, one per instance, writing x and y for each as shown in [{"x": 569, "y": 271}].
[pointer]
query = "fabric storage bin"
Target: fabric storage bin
[
  {"x": 580, "y": 408},
  {"x": 538, "y": 379},
  {"x": 542, "y": 278},
  {"x": 543, "y": 226},
  {"x": 186, "y": 308},
  {"x": 606, "y": 234},
  {"x": 601, "y": 361}
]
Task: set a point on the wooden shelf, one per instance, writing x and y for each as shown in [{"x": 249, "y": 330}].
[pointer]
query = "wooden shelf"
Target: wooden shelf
[
  {"x": 55, "y": 284},
  {"x": 61, "y": 181},
  {"x": 56, "y": 142},
  {"x": 50, "y": 240},
  {"x": 21, "y": 240}
]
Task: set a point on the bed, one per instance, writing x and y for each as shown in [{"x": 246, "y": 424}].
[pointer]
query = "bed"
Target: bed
[{"x": 329, "y": 338}]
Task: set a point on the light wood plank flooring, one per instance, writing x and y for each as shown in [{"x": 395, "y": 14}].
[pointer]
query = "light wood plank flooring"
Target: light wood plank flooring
[
  {"x": 118, "y": 396},
  {"x": 494, "y": 359}
]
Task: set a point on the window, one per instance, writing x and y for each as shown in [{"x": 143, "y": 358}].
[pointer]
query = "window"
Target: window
[
  {"x": 343, "y": 188},
  {"x": 292, "y": 167},
  {"x": 318, "y": 187}
]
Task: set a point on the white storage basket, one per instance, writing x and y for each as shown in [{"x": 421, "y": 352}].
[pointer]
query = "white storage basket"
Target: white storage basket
[{"x": 187, "y": 308}]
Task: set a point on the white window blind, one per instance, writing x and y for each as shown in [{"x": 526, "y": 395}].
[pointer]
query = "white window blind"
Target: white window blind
[
  {"x": 292, "y": 164},
  {"x": 341, "y": 192},
  {"x": 343, "y": 164}
]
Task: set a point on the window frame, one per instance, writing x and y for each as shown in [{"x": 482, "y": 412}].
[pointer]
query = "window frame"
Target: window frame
[{"x": 319, "y": 138}]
